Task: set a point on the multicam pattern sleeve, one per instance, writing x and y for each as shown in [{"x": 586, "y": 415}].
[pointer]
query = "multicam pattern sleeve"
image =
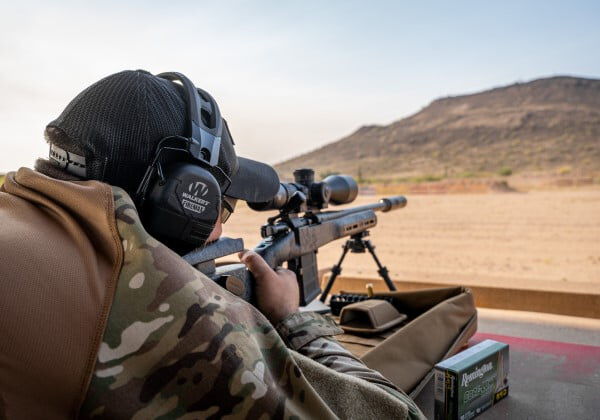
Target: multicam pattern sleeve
[
  {"x": 176, "y": 345},
  {"x": 311, "y": 334}
]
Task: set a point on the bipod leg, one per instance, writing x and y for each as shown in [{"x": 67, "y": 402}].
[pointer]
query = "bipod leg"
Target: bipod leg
[
  {"x": 383, "y": 271},
  {"x": 335, "y": 271}
]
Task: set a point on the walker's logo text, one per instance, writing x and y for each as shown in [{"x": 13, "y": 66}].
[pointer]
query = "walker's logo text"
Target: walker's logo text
[
  {"x": 192, "y": 201},
  {"x": 198, "y": 188},
  {"x": 477, "y": 373}
]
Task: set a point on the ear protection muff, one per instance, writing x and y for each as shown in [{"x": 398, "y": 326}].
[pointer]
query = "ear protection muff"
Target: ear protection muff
[
  {"x": 182, "y": 210},
  {"x": 179, "y": 198}
]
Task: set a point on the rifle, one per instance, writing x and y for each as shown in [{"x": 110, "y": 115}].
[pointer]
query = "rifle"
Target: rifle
[{"x": 297, "y": 232}]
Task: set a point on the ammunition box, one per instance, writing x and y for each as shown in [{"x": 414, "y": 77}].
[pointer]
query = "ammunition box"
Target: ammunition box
[{"x": 471, "y": 381}]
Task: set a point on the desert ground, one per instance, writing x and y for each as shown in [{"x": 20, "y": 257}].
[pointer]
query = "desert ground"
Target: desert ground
[{"x": 547, "y": 240}]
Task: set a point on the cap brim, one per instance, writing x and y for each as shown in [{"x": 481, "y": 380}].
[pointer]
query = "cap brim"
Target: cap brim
[{"x": 254, "y": 182}]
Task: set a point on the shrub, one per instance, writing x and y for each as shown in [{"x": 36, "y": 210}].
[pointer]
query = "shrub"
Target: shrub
[
  {"x": 505, "y": 171},
  {"x": 326, "y": 173},
  {"x": 369, "y": 180},
  {"x": 359, "y": 176},
  {"x": 564, "y": 170},
  {"x": 427, "y": 178}
]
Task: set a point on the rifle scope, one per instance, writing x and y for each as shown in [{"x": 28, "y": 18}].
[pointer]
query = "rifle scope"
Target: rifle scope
[{"x": 305, "y": 194}]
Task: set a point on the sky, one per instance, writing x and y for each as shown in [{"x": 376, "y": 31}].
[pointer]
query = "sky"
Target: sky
[{"x": 289, "y": 76}]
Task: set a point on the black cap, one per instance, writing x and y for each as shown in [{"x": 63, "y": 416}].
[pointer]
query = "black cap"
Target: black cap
[{"x": 117, "y": 122}]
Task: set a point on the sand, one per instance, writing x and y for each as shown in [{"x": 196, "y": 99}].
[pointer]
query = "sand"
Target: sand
[{"x": 542, "y": 239}]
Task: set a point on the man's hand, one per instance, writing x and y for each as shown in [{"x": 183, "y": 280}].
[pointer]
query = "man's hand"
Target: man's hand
[{"x": 277, "y": 292}]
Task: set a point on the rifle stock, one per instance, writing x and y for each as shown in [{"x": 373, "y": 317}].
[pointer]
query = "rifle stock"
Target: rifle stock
[
  {"x": 295, "y": 241},
  {"x": 298, "y": 247}
]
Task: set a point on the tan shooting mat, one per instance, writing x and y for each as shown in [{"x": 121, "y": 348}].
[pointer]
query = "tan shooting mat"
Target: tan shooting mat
[{"x": 440, "y": 323}]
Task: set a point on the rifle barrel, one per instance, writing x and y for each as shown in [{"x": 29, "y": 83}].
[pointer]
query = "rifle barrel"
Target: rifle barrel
[{"x": 384, "y": 205}]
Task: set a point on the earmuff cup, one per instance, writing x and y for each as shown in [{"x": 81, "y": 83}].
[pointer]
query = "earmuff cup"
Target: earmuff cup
[
  {"x": 182, "y": 211},
  {"x": 179, "y": 197}
]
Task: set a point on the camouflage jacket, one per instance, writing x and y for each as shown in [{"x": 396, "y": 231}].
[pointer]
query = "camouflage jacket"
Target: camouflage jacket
[
  {"x": 177, "y": 345},
  {"x": 167, "y": 342}
]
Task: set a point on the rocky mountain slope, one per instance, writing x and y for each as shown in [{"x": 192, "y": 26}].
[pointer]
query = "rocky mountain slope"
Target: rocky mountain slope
[{"x": 550, "y": 124}]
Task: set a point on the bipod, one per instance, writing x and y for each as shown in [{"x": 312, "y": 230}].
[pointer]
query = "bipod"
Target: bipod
[{"x": 358, "y": 245}]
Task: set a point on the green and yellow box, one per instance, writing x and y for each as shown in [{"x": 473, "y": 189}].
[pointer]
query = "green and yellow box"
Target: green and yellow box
[{"x": 471, "y": 381}]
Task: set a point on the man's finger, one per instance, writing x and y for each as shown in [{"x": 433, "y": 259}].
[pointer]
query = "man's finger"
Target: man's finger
[{"x": 255, "y": 263}]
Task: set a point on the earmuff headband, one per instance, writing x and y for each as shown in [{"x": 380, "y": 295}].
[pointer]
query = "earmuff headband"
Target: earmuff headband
[{"x": 207, "y": 139}]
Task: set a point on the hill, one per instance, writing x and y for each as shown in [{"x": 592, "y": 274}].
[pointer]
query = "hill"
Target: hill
[{"x": 550, "y": 124}]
